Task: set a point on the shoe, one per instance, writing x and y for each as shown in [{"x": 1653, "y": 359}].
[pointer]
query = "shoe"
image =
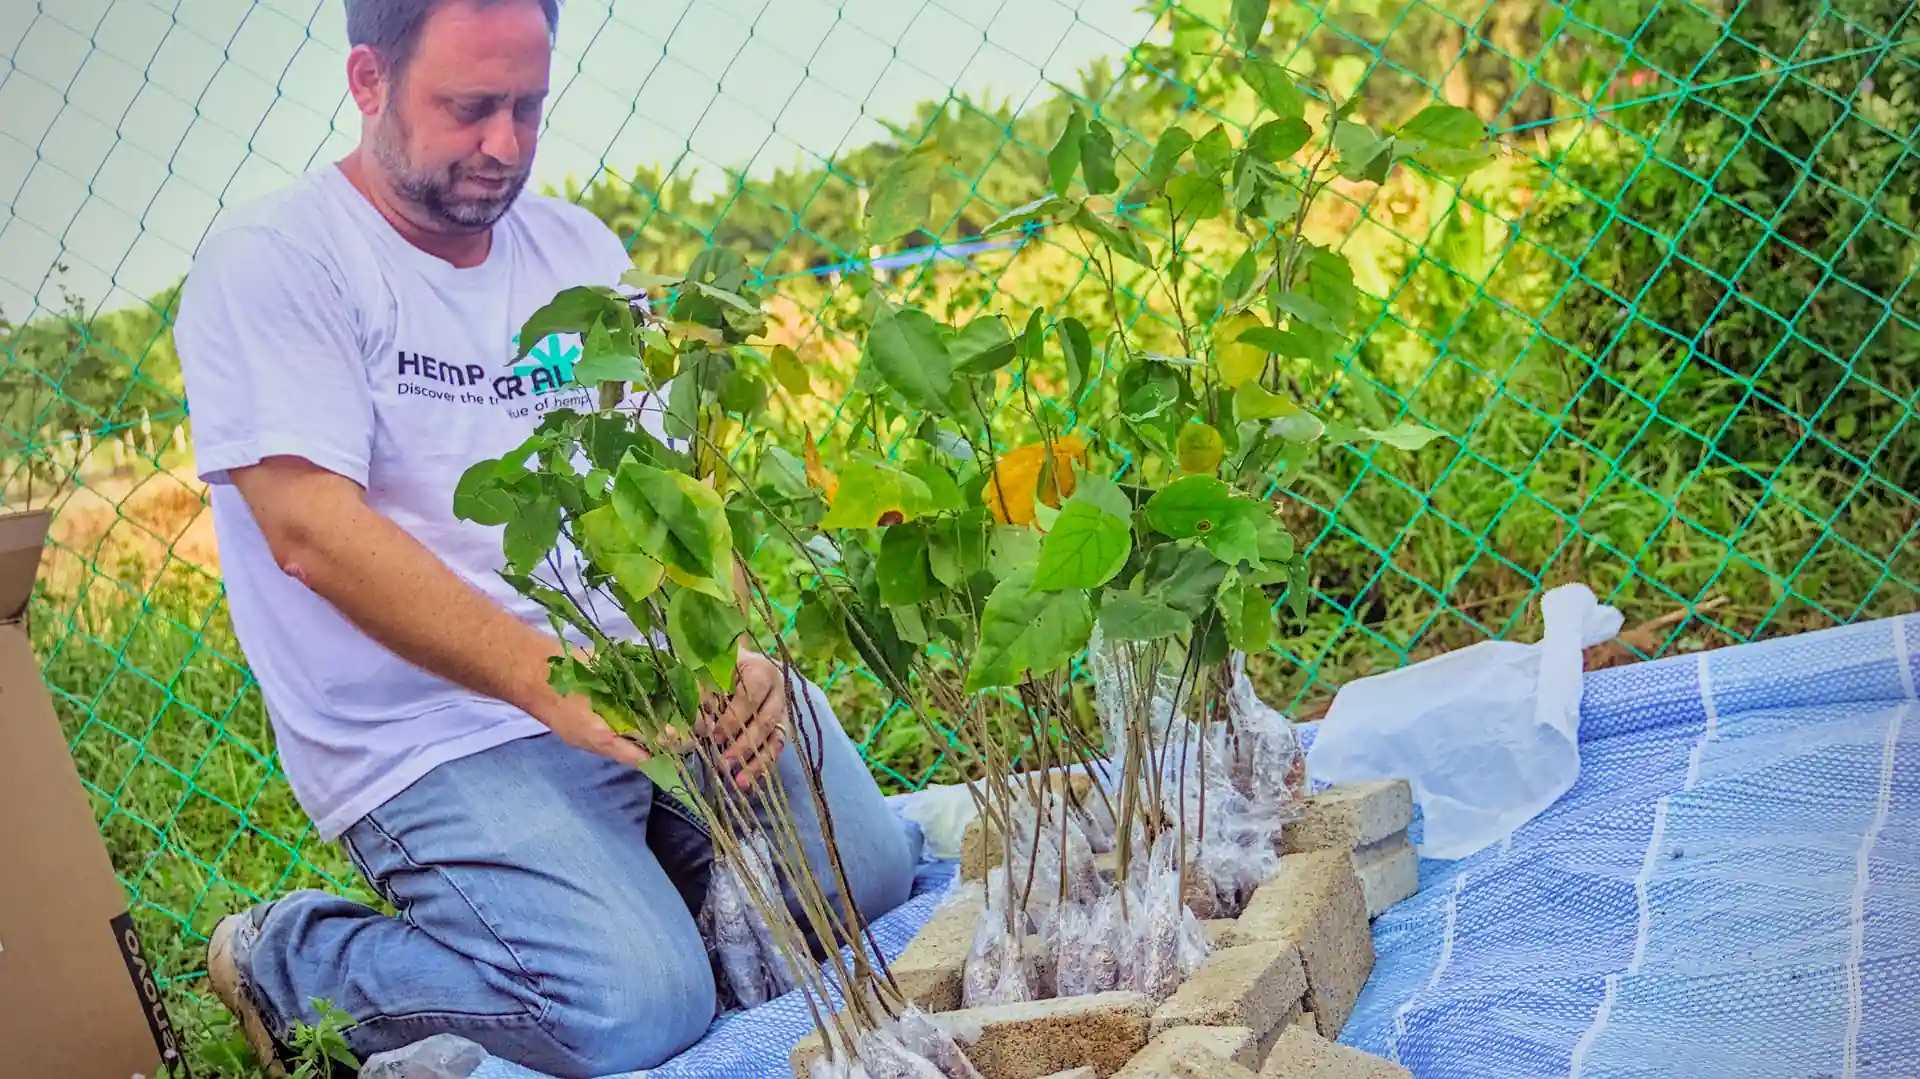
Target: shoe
[{"x": 231, "y": 938}]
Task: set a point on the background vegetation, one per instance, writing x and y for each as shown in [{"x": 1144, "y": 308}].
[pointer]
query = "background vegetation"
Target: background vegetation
[{"x": 1672, "y": 337}]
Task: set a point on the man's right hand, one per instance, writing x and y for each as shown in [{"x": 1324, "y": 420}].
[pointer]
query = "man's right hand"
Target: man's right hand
[{"x": 578, "y": 725}]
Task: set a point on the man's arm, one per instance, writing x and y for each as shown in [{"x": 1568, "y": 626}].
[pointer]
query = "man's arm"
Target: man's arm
[{"x": 324, "y": 535}]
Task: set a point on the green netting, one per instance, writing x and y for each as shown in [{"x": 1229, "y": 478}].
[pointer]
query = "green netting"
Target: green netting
[{"x": 1671, "y": 336}]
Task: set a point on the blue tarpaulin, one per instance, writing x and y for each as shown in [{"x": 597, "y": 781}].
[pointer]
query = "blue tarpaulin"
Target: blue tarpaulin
[{"x": 1731, "y": 889}]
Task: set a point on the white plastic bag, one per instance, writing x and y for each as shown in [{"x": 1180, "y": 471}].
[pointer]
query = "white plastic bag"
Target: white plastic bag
[{"x": 1489, "y": 735}]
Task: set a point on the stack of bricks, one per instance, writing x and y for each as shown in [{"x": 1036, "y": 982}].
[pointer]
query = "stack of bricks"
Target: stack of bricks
[{"x": 1268, "y": 1001}]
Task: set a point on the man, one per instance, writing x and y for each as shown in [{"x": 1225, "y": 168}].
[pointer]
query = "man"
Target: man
[{"x": 348, "y": 346}]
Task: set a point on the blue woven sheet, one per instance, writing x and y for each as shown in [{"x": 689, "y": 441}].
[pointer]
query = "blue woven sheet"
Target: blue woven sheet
[{"x": 1732, "y": 889}]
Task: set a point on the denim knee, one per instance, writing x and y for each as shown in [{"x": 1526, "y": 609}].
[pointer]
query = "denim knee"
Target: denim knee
[{"x": 627, "y": 1005}]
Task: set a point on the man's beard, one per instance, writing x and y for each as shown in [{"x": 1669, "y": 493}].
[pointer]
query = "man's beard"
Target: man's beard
[{"x": 432, "y": 190}]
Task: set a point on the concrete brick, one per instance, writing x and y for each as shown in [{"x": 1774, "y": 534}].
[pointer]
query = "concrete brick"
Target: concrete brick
[
  {"x": 929, "y": 971},
  {"x": 1389, "y": 871},
  {"x": 1236, "y": 1044},
  {"x": 1026, "y": 1041},
  {"x": 1314, "y": 903},
  {"x": 1076, "y": 1073},
  {"x": 1217, "y": 929},
  {"x": 1351, "y": 815},
  {"x": 1305, "y": 1021},
  {"x": 1252, "y": 985},
  {"x": 1301, "y": 1055}
]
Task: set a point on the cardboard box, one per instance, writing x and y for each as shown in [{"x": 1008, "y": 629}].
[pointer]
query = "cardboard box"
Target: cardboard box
[{"x": 77, "y": 994}]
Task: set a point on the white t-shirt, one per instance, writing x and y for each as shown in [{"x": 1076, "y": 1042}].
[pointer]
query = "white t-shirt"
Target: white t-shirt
[{"x": 309, "y": 327}]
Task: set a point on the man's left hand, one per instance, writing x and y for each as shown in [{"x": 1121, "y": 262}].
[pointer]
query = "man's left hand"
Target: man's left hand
[{"x": 749, "y": 725}]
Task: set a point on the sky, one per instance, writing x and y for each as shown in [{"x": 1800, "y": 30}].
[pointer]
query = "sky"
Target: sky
[{"x": 127, "y": 125}]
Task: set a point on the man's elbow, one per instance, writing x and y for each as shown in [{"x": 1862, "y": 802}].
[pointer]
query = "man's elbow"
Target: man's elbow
[{"x": 296, "y": 547}]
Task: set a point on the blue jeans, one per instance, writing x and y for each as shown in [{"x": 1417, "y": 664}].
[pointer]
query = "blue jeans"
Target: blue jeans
[{"x": 544, "y": 897}]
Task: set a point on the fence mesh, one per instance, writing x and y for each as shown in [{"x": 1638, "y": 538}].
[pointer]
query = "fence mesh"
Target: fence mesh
[{"x": 1672, "y": 336}]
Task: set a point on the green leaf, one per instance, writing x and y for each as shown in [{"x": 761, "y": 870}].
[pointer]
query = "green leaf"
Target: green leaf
[
  {"x": 1402, "y": 436},
  {"x": 790, "y": 372},
  {"x": 1128, "y": 616},
  {"x": 1275, "y": 88},
  {"x": 1189, "y": 506},
  {"x": 870, "y": 491},
  {"x": 1298, "y": 426},
  {"x": 1363, "y": 154},
  {"x": 943, "y": 491},
  {"x": 1304, "y": 309},
  {"x": 909, "y": 355},
  {"x": 1084, "y": 549},
  {"x": 1448, "y": 126},
  {"x": 1214, "y": 151},
  {"x": 957, "y": 547},
  {"x": 1027, "y": 632},
  {"x": 1103, "y": 493},
  {"x": 481, "y": 495},
  {"x": 1275, "y": 542},
  {"x": 1249, "y": 18},
  {"x": 819, "y": 626},
  {"x": 982, "y": 346},
  {"x": 1447, "y": 139},
  {"x": 1011, "y": 549},
  {"x": 1238, "y": 280},
  {"x": 1297, "y": 589},
  {"x": 602, "y": 361},
  {"x": 530, "y": 534},
  {"x": 1064, "y": 159},
  {"x": 698, "y": 541},
  {"x": 741, "y": 393},
  {"x": 901, "y": 199},
  {"x": 1184, "y": 576},
  {"x": 644, "y": 279},
  {"x": 573, "y": 310},
  {"x": 1247, "y": 615},
  {"x": 1277, "y": 140},
  {"x": 1252, "y": 401},
  {"x": 1119, "y": 239},
  {"x": 902, "y": 569},
  {"x": 704, "y": 631},
  {"x": 1096, "y": 159},
  {"x": 1200, "y": 448},
  {"x": 682, "y": 416},
  {"x": 1077, "y": 344},
  {"x": 1044, "y": 208},
  {"x": 1173, "y": 142},
  {"x": 623, "y": 554},
  {"x": 1196, "y": 197},
  {"x": 1236, "y": 537},
  {"x": 1033, "y": 339}
]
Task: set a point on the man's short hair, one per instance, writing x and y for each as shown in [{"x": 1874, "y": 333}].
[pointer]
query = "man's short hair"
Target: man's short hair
[{"x": 392, "y": 27}]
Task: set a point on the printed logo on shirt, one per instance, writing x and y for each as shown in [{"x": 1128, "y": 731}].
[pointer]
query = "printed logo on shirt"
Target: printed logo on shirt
[{"x": 532, "y": 384}]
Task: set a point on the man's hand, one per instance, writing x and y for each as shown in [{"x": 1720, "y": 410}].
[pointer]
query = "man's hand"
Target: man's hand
[
  {"x": 749, "y": 725},
  {"x": 579, "y": 726}
]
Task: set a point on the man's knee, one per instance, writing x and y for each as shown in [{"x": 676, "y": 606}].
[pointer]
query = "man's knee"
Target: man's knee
[{"x": 628, "y": 1005}]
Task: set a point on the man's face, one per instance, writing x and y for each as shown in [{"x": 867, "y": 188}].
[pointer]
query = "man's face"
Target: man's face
[{"x": 456, "y": 133}]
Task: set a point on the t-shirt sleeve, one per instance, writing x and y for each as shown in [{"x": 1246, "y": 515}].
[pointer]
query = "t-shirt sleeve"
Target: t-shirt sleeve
[{"x": 271, "y": 357}]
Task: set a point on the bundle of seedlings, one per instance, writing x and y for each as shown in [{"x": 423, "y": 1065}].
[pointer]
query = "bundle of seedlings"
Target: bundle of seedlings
[{"x": 1010, "y": 513}]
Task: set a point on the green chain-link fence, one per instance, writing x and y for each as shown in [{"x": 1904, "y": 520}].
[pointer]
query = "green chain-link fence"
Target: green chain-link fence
[{"x": 1672, "y": 336}]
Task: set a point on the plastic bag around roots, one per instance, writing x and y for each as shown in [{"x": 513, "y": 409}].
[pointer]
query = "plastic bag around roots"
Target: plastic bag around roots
[
  {"x": 997, "y": 969},
  {"x": 750, "y": 969},
  {"x": 910, "y": 1047}
]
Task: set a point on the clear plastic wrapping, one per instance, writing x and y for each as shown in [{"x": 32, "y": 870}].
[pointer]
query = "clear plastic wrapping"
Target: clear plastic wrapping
[
  {"x": 910, "y": 1047},
  {"x": 750, "y": 969}
]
